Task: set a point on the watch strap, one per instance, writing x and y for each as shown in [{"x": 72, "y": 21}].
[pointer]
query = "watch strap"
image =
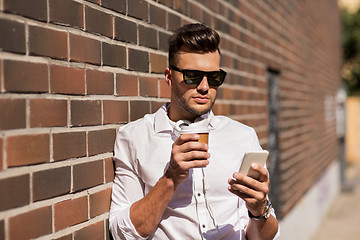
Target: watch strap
[{"x": 265, "y": 215}]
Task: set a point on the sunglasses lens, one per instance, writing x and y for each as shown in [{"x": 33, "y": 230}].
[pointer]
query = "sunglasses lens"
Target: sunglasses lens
[
  {"x": 193, "y": 76},
  {"x": 214, "y": 79}
]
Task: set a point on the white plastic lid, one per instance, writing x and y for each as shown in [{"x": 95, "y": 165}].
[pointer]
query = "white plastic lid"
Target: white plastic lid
[{"x": 194, "y": 128}]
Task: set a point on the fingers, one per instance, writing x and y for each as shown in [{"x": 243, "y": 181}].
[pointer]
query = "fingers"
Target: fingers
[
  {"x": 193, "y": 156},
  {"x": 248, "y": 188},
  {"x": 187, "y": 153},
  {"x": 252, "y": 191},
  {"x": 193, "y": 146},
  {"x": 186, "y": 165},
  {"x": 186, "y": 148},
  {"x": 247, "y": 193},
  {"x": 186, "y": 138},
  {"x": 264, "y": 175}
]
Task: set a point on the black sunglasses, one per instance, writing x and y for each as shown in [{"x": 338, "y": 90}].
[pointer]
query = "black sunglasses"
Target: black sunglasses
[{"x": 194, "y": 77}]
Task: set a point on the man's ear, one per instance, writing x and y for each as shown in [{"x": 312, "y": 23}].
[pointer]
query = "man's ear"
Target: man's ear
[{"x": 168, "y": 77}]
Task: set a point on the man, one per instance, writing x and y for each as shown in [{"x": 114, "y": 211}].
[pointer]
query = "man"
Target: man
[{"x": 169, "y": 186}]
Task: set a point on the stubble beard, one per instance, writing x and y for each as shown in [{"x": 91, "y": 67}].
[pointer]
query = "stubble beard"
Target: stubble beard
[{"x": 184, "y": 103}]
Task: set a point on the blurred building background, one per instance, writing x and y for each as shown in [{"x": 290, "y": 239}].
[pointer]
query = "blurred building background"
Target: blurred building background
[
  {"x": 73, "y": 71},
  {"x": 351, "y": 75}
]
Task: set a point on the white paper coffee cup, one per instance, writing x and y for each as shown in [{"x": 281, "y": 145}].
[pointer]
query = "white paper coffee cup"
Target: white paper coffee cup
[{"x": 202, "y": 131}]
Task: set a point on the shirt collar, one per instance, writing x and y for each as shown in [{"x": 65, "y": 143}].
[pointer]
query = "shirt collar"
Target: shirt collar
[{"x": 162, "y": 123}]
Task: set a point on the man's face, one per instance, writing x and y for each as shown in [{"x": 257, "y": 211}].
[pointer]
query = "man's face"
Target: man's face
[{"x": 191, "y": 101}]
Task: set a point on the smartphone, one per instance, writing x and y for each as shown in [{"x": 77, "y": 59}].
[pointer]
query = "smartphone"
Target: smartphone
[{"x": 259, "y": 157}]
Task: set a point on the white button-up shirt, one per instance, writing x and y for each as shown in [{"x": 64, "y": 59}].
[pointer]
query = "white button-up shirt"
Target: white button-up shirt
[{"x": 202, "y": 207}]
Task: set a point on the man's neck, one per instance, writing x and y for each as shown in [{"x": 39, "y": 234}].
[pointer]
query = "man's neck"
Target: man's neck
[{"x": 176, "y": 117}]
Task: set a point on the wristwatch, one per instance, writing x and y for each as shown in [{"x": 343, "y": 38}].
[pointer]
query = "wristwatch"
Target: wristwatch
[{"x": 265, "y": 215}]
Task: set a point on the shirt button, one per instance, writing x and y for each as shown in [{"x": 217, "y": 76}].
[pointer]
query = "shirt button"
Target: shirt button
[
  {"x": 203, "y": 226},
  {"x": 199, "y": 194}
]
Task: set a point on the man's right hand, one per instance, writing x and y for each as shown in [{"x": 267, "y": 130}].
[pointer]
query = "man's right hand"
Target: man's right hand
[{"x": 186, "y": 153}]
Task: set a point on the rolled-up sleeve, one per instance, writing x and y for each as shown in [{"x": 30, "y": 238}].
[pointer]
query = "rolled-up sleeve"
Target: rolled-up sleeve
[{"x": 127, "y": 189}]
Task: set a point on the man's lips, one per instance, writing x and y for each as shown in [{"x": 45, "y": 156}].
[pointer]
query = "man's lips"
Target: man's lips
[{"x": 201, "y": 99}]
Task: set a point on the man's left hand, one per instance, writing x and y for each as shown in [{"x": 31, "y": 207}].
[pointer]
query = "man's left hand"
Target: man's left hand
[{"x": 252, "y": 191}]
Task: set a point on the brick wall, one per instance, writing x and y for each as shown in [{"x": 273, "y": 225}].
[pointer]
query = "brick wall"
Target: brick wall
[{"x": 73, "y": 71}]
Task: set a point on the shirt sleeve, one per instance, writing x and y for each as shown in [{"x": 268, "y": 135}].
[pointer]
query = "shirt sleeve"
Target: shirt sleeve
[
  {"x": 127, "y": 189},
  {"x": 255, "y": 140}
]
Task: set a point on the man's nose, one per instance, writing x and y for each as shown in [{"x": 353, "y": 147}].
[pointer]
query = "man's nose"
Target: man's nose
[{"x": 203, "y": 85}]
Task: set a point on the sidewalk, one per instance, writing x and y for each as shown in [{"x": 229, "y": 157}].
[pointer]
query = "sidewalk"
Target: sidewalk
[{"x": 343, "y": 218}]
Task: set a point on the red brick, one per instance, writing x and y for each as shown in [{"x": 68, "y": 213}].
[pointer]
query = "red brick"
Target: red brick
[
  {"x": 147, "y": 37},
  {"x": 174, "y": 22},
  {"x": 25, "y": 76},
  {"x": 138, "y": 109},
  {"x": 83, "y": 49},
  {"x": 114, "y": 55},
  {"x": 15, "y": 192},
  {"x": 109, "y": 170},
  {"x": 46, "y": 42},
  {"x": 115, "y": 111},
  {"x": 168, "y": 3},
  {"x": 100, "y": 202},
  {"x": 156, "y": 105},
  {"x": 217, "y": 109},
  {"x": 165, "y": 89},
  {"x": 81, "y": 173},
  {"x": 163, "y": 41},
  {"x": 125, "y": 30},
  {"x": 138, "y": 60},
  {"x": 158, "y": 63},
  {"x": 101, "y": 141},
  {"x": 70, "y": 212},
  {"x": 27, "y": 149},
  {"x": 66, "y": 12},
  {"x": 69, "y": 145},
  {"x": 98, "y": 22},
  {"x": 228, "y": 93},
  {"x": 85, "y": 113},
  {"x": 13, "y": 114},
  {"x": 94, "y": 231},
  {"x": 148, "y": 87},
  {"x": 138, "y": 9},
  {"x": 48, "y": 112},
  {"x": 51, "y": 183},
  {"x": 117, "y": 5},
  {"x": 98, "y": 82},
  {"x": 158, "y": 16},
  {"x": 208, "y": 19},
  {"x": 33, "y": 224},
  {"x": 181, "y": 6},
  {"x": 15, "y": 36},
  {"x": 195, "y": 11},
  {"x": 126, "y": 85},
  {"x": 30, "y": 8},
  {"x": 67, "y": 80}
]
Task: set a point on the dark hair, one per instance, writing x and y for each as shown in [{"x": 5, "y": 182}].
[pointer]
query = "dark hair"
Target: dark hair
[{"x": 194, "y": 37}]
